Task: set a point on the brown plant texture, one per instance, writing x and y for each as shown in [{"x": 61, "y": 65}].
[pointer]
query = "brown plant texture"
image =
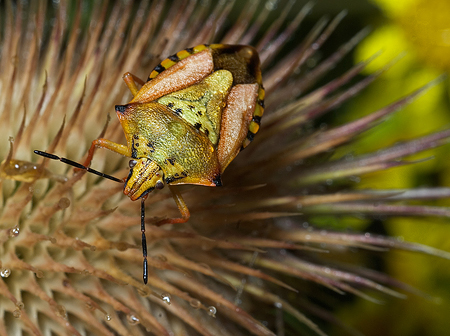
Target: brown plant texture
[{"x": 248, "y": 259}]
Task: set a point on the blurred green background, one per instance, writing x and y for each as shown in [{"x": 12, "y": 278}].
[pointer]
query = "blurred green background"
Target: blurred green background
[{"x": 419, "y": 32}]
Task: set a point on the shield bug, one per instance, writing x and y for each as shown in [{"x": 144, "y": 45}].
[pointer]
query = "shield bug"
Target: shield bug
[{"x": 187, "y": 122}]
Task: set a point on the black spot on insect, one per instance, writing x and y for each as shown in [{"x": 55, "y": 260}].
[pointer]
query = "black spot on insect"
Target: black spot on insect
[
  {"x": 184, "y": 174},
  {"x": 137, "y": 144},
  {"x": 207, "y": 132},
  {"x": 257, "y": 119},
  {"x": 179, "y": 111},
  {"x": 191, "y": 107},
  {"x": 199, "y": 113},
  {"x": 133, "y": 150},
  {"x": 175, "y": 177},
  {"x": 171, "y": 161},
  {"x": 159, "y": 68},
  {"x": 197, "y": 126},
  {"x": 217, "y": 180},
  {"x": 261, "y": 103},
  {"x": 121, "y": 108},
  {"x": 135, "y": 136},
  {"x": 250, "y": 136},
  {"x": 170, "y": 105},
  {"x": 152, "y": 148},
  {"x": 174, "y": 58},
  {"x": 190, "y": 50}
]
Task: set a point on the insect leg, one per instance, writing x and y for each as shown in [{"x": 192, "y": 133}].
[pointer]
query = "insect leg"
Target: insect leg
[
  {"x": 144, "y": 243},
  {"x": 108, "y": 144},
  {"x": 181, "y": 206},
  {"x": 130, "y": 80}
]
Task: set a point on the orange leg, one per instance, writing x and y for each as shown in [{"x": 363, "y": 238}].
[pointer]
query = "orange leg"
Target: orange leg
[
  {"x": 108, "y": 144},
  {"x": 181, "y": 206},
  {"x": 130, "y": 80}
]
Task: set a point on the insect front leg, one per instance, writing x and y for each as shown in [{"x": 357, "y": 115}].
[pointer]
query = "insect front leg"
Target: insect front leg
[
  {"x": 108, "y": 144},
  {"x": 130, "y": 80},
  {"x": 181, "y": 206}
]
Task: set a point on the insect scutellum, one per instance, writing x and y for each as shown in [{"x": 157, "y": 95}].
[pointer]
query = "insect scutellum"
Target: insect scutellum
[{"x": 198, "y": 109}]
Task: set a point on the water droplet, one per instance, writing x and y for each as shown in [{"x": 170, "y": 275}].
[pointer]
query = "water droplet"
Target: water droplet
[
  {"x": 166, "y": 298},
  {"x": 17, "y": 313},
  {"x": 329, "y": 181},
  {"x": 20, "y": 305},
  {"x": 39, "y": 274},
  {"x": 132, "y": 319},
  {"x": 212, "y": 311},
  {"x": 52, "y": 240},
  {"x": 278, "y": 305},
  {"x": 108, "y": 318},
  {"x": 89, "y": 306},
  {"x": 5, "y": 272},
  {"x": 14, "y": 232},
  {"x": 196, "y": 304}
]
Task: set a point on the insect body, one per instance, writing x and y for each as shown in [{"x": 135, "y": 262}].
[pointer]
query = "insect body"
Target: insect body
[{"x": 197, "y": 110}]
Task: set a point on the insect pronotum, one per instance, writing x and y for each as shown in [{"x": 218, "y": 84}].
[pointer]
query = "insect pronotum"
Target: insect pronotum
[{"x": 197, "y": 110}]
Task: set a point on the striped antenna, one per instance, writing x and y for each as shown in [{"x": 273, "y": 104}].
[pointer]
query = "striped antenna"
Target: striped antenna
[{"x": 77, "y": 165}]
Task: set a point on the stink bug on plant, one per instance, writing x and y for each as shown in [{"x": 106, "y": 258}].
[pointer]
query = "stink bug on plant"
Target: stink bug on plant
[{"x": 197, "y": 110}]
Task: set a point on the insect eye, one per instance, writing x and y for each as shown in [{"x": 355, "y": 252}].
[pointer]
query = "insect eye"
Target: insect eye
[
  {"x": 132, "y": 163},
  {"x": 159, "y": 185}
]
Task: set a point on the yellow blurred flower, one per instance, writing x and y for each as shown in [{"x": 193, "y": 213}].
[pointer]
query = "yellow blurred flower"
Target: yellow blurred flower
[
  {"x": 416, "y": 31},
  {"x": 419, "y": 32}
]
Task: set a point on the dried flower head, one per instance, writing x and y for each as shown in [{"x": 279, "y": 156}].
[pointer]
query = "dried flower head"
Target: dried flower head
[{"x": 70, "y": 254}]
